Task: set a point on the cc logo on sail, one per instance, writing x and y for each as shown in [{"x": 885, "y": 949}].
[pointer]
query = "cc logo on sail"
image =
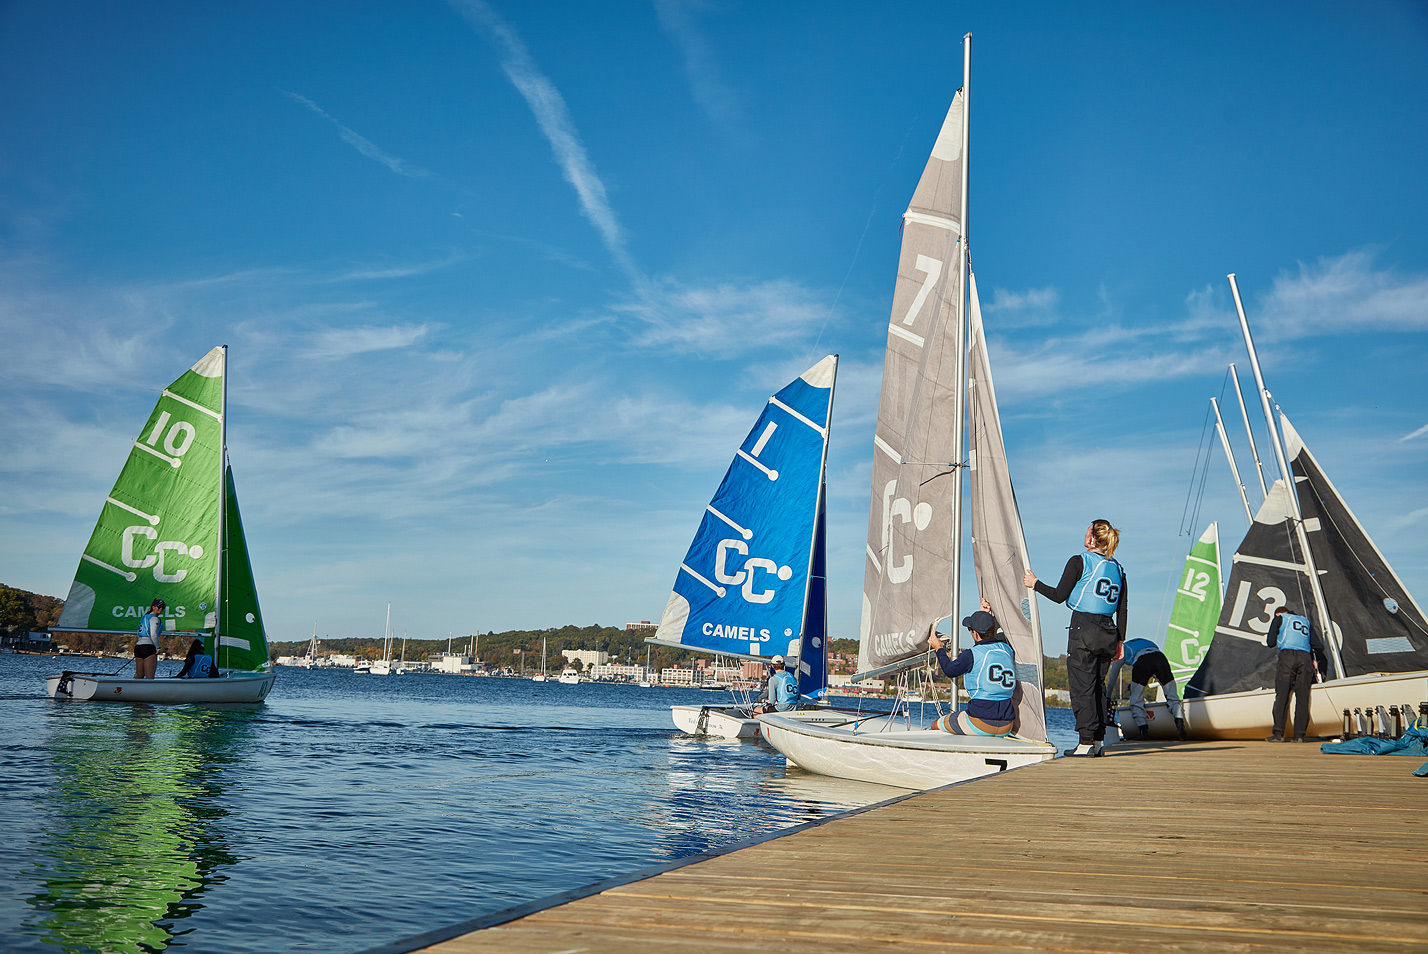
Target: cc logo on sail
[{"x": 745, "y": 577}]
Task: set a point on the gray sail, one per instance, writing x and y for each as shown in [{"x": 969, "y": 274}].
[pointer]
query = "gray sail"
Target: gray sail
[
  {"x": 907, "y": 582},
  {"x": 1378, "y": 625},
  {"x": 998, "y": 542},
  {"x": 1268, "y": 571}
]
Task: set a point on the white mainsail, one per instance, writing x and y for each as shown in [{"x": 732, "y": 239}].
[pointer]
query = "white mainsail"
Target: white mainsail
[{"x": 908, "y": 574}]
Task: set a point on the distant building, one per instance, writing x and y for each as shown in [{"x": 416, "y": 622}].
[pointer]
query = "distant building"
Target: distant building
[
  {"x": 587, "y": 657},
  {"x": 643, "y": 626},
  {"x": 616, "y": 672},
  {"x": 452, "y": 662},
  {"x": 676, "y": 676}
]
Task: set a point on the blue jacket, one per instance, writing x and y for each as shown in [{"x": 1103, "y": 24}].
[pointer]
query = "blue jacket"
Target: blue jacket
[
  {"x": 983, "y": 656},
  {"x": 783, "y": 691}
]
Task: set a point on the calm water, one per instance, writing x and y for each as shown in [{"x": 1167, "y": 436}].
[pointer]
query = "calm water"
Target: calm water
[{"x": 351, "y": 811}]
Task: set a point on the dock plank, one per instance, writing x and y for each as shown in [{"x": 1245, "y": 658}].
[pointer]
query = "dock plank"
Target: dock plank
[{"x": 1198, "y": 847}]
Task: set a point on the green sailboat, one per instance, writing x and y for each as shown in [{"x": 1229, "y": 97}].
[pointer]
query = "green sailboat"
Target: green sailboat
[
  {"x": 1197, "y": 607},
  {"x": 171, "y": 529}
]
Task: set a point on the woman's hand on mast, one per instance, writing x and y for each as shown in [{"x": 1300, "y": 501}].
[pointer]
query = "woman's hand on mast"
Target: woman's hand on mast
[{"x": 1028, "y": 579}]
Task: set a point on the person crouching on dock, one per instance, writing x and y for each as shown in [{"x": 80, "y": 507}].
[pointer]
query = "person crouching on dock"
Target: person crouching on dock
[{"x": 988, "y": 671}]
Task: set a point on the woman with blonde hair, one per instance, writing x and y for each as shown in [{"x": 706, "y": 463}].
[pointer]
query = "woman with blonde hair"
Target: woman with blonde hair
[{"x": 1093, "y": 586}]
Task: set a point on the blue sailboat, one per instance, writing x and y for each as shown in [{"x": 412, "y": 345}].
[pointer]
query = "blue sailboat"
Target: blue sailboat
[{"x": 753, "y": 584}]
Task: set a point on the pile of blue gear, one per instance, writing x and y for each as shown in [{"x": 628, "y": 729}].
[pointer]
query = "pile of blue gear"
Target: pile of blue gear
[{"x": 1412, "y": 742}]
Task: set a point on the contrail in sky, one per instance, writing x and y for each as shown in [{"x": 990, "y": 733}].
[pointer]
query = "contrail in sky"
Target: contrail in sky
[
  {"x": 362, "y": 144},
  {"x": 559, "y": 129}
]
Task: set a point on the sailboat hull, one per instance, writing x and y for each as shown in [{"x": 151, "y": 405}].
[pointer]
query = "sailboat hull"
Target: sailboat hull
[
  {"x": 886, "y": 752},
  {"x": 729, "y": 722},
  {"x": 1248, "y": 715},
  {"x": 92, "y": 687}
]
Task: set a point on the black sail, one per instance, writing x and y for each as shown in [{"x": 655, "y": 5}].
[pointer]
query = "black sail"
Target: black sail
[
  {"x": 1268, "y": 571},
  {"x": 1377, "y": 623}
]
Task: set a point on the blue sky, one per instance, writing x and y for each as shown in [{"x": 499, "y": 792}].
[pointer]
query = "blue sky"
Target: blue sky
[{"x": 506, "y": 283}]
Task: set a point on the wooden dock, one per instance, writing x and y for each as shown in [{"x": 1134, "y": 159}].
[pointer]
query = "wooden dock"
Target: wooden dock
[{"x": 1158, "y": 847}]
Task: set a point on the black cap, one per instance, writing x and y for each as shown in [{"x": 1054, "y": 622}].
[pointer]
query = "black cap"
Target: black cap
[{"x": 981, "y": 622}]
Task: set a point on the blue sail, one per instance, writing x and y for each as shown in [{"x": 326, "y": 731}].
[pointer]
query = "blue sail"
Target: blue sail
[
  {"x": 743, "y": 586},
  {"x": 813, "y": 649}
]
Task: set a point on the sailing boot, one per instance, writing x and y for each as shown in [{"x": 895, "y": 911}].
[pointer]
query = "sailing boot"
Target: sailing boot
[
  {"x": 1180, "y": 728},
  {"x": 1084, "y": 749},
  {"x": 1144, "y": 733}
]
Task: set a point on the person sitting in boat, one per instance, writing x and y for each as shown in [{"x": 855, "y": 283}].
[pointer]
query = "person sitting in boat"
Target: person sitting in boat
[
  {"x": 1146, "y": 662},
  {"x": 146, "y": 647},
  {"x": 781, "y": 693},
  {"x": 1300, "y": 652},
  {"x": 988, "y": 671},
  {"x": 197, "y": 664}
]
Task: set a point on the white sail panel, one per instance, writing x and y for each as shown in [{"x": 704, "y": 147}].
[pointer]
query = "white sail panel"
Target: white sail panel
[
  {"x": 907, "y": 580},
  {"x": 998, "y": 541}
]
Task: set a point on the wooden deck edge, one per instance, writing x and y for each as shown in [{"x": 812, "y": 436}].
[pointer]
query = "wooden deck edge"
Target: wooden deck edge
[{"x": 426, "y": 939}]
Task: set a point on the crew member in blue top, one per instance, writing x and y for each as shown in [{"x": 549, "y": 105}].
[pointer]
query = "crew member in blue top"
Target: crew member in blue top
[
  {"x": 988, "y": 671},
  {"x": 197, "y": 663},
  {"x": 1093, "y": 586},
  {"x": 1146, "y": 662},
  {"x": 781, "y": 693},
  {"x": 1299, "y": 652},
  {"x": 146, "y": 647}
]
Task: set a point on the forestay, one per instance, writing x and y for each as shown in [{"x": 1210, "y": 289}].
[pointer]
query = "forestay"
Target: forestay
[
  {"x": 998, "y": 541},
  {"x": 907, "y": 580},
  {"x": 157, "y": 534},
  {"x": 742, "y": 587}
]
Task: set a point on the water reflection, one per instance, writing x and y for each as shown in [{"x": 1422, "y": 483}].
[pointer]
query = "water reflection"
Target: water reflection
[{"x": 135, "y": 833}]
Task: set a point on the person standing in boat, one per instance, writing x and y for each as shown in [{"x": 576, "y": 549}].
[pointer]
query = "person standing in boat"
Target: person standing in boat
[
  {"x": 781, "y": 692},
  {"x": 1146, "y": 662},
  {"x": 146, "y": 648},
  {"x": 988, "y": 671},
  {"x": 1300, "y": 651},
  {"x": 1093, "y": 586},
  {"x": 197, "y": 664}
]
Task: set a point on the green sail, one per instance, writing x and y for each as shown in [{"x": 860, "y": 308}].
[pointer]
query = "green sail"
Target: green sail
[
  {"x": 157, "y": 534},
  {"x": 1197, "y": 607},
  {"x": 242, "y": 641}
]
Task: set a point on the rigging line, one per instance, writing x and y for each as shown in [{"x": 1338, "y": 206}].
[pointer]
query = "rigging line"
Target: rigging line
[{"x": 1163, "y": 616}]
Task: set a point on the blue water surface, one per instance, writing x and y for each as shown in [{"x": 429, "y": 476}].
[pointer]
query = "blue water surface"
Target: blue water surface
[{"x": 350, "y": 811}]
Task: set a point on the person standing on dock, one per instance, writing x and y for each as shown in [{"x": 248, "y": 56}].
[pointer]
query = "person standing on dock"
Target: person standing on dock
[
  {"x": 988, "y": 671},
  {"x": 1093, "y": 585},
  {"x": 1147, "y": 662},
  {"x": 781, "y": 693},
  {"x": 146, "y": 648},
  {"x": 1300, "y": 651}
]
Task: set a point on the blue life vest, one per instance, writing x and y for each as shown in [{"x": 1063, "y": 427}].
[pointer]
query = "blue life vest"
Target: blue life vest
[
  {"x": 149, "y": 628},
  {"x": 1135, "y": 648},
  {"x": 1293, "y": 632},
  {"x": 783, "y": 690},
  {"x": 202, "y": 665},
  {"x": 992, "y": 677},
  {"x": 1098, "y": 592}
]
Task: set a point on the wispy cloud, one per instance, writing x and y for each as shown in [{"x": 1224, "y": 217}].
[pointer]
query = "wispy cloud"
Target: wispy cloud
[
  {"x": 362, "y": 144},
  {"x": 336, "y": 343},
  {"x": 1032, "y": 298},
  {"x": 556, "y": 124},
  {"x": 1418, "y": 433},
  {"x": 724, "y": 319},
  {"x": 1344, "y": 294},
  {"x": 706, "y": 80}
]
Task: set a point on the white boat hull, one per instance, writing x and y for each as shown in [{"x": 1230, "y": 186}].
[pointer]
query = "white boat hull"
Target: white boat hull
[
  {"x": 729, "y": 722},
  {"x": 885, "y": 752},
  {"x": 1248, "y": 715},
  {"x": 232, "y": 687}
]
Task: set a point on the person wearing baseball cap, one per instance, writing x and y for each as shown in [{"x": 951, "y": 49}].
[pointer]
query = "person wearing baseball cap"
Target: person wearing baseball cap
[
  {"x": 988, "y": 671},
  {"x": 781, "y": 693}
]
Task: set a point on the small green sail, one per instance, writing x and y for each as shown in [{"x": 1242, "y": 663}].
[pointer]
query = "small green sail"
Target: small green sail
[
  {"x": 242, "y": 641},
  {"x": 1197, "y": 607},
  {"x": 157, "y": 534}
]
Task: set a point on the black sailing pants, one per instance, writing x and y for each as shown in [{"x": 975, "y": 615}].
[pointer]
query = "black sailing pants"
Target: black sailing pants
[
  {"x": 1295, "y": 673},
  {"x": 1090, "y": 647}
]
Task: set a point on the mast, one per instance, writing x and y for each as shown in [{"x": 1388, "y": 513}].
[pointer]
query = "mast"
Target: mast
[
  {"x": 1314, "y": 585},
  {"x": 222, "y": 512},
  {"x": 1244, "y": 412},
  {"x": 1230, "y": 456},
  {"x": 958, "y": 445}
]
